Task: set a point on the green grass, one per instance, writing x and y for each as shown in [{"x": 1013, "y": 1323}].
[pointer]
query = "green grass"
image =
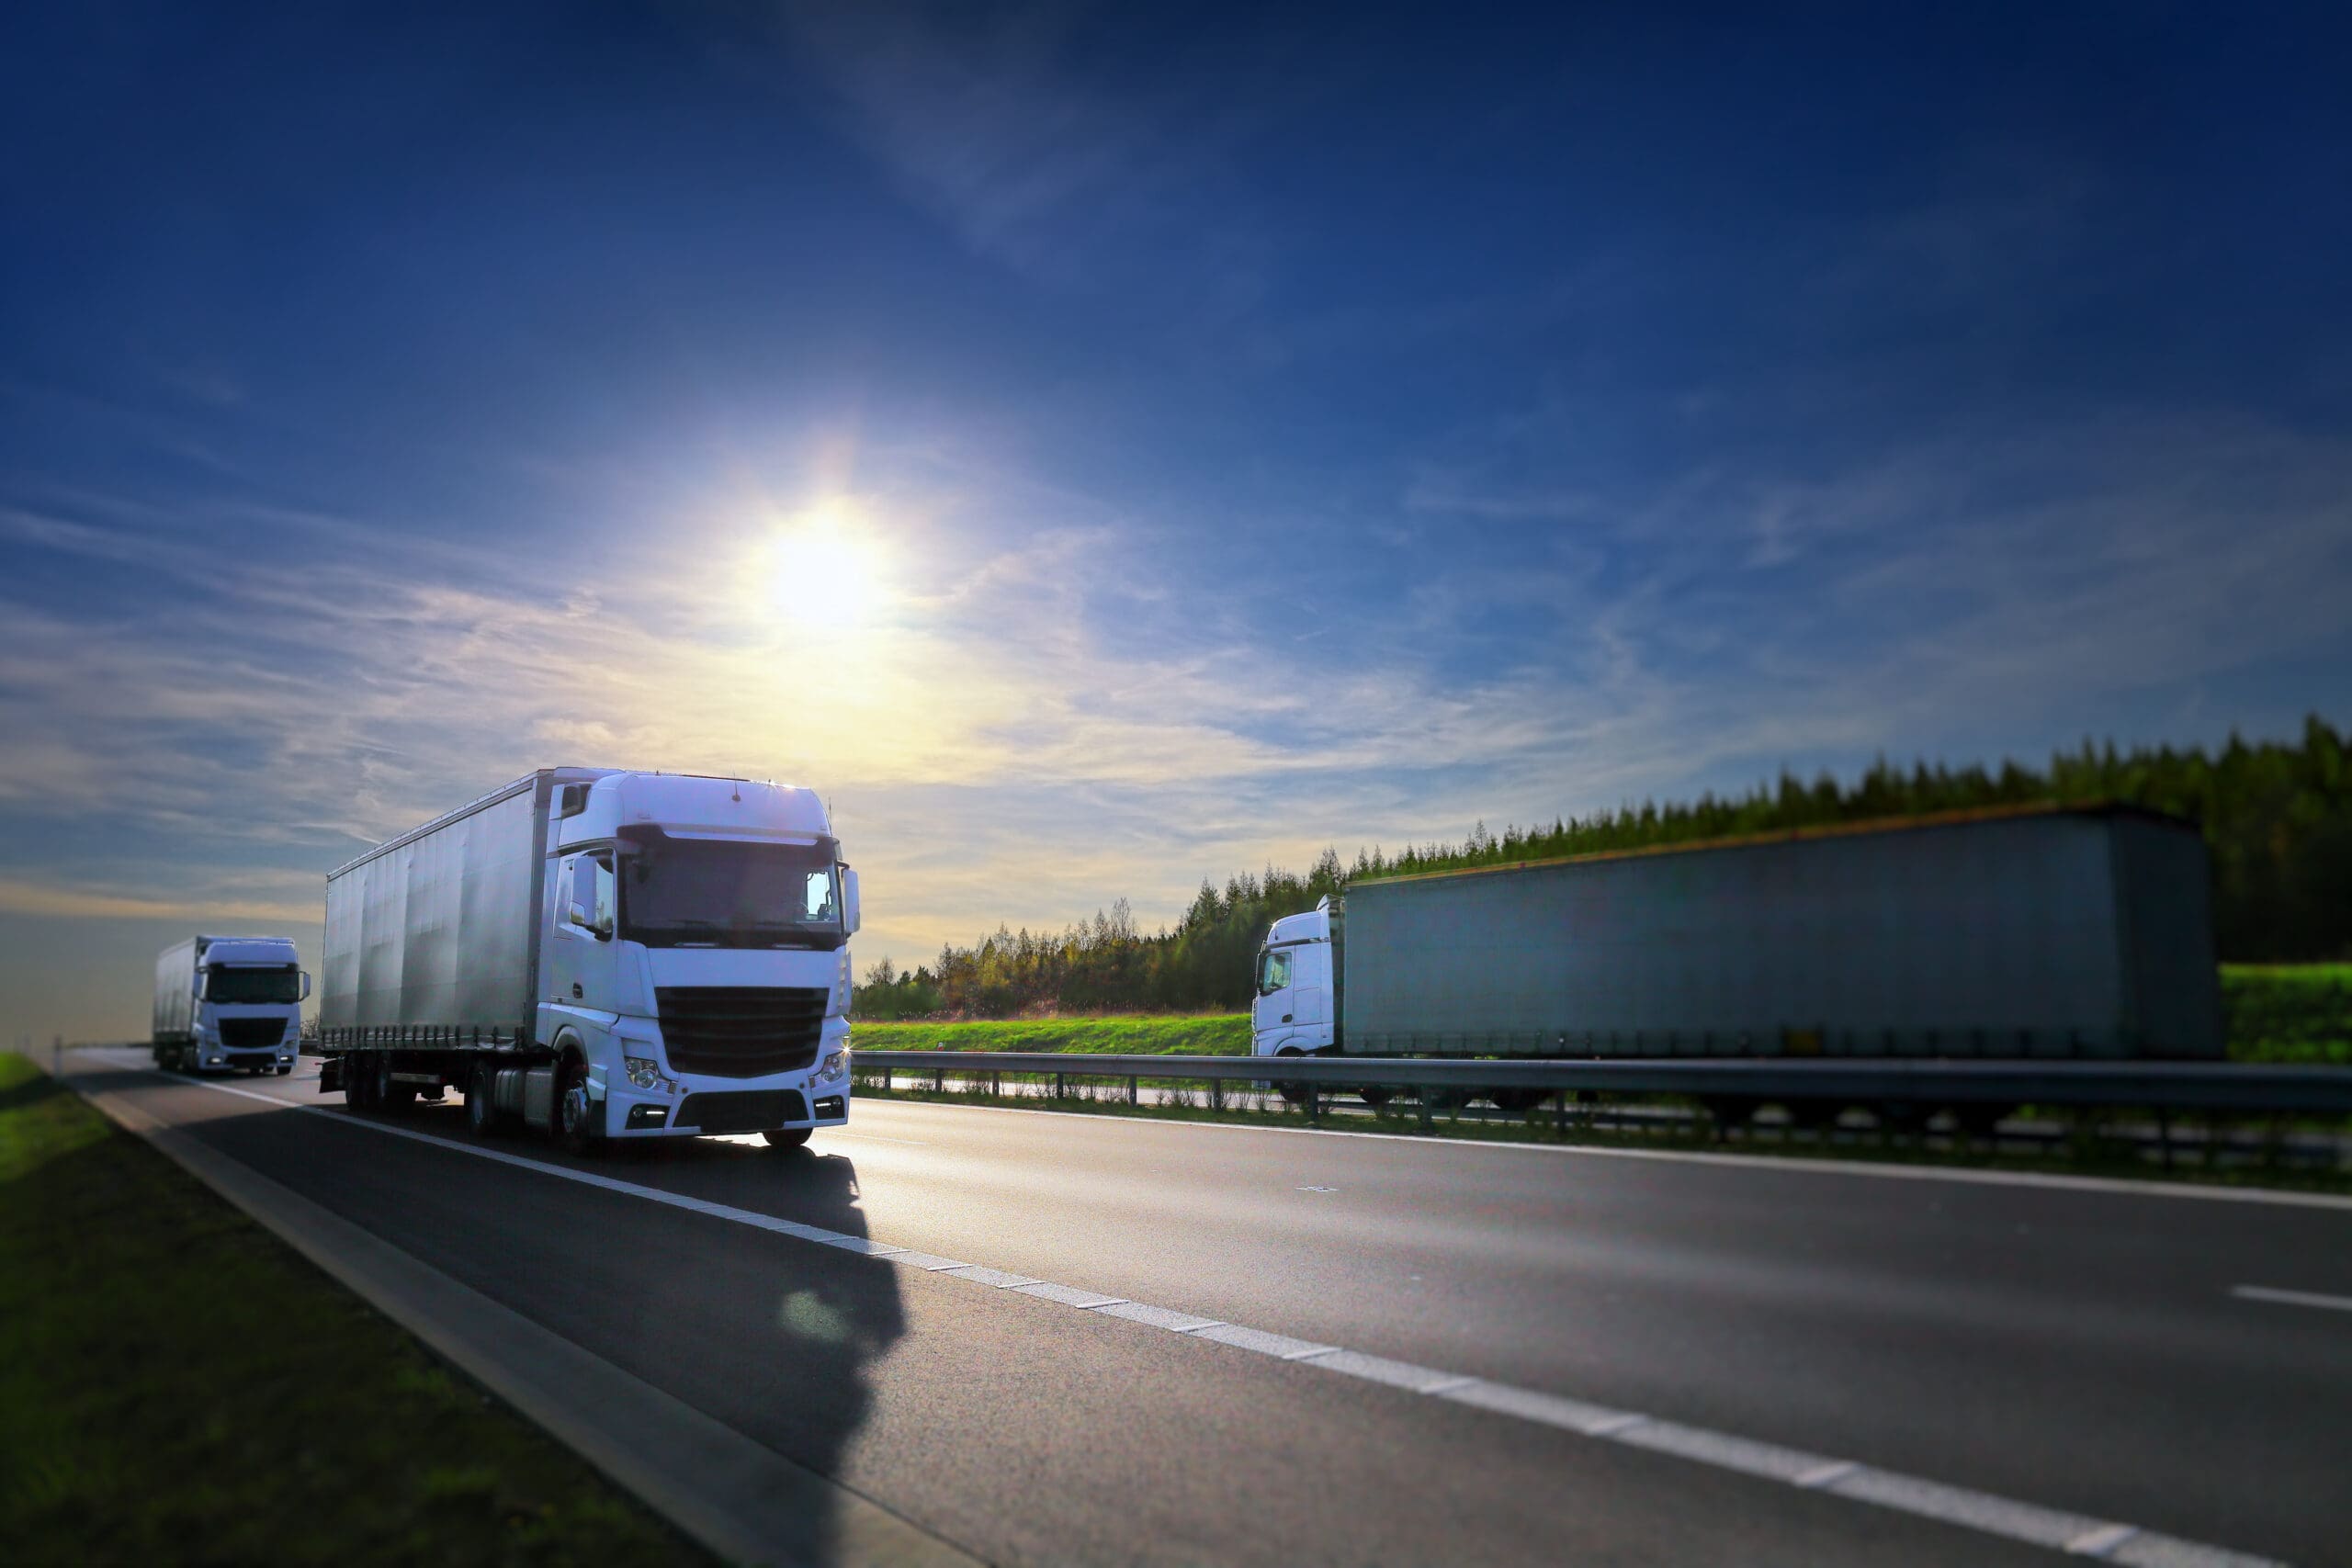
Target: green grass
[
  {"x": 1203, "y": 1035},
  {"x": 2287, "y": 1012},
  {"x": 2283, "y": 1012},
  {"x": 177, "y": 1385}
]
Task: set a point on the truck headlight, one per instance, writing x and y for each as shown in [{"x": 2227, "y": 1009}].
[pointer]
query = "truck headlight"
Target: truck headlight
[
  {"x": 643, "y": 1071},
  {"x": 836, "y": 1065}
]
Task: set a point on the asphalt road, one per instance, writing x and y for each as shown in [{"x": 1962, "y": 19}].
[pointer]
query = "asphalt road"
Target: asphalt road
[{"x": 2175, "y": 1364}]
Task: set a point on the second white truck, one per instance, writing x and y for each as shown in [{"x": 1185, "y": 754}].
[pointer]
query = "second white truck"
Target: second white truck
[
  {"x": 599, "y": 954},
  {"x": 229, "y": 1004}
]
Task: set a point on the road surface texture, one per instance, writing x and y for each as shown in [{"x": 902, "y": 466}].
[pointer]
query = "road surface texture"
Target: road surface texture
[{"x": 1545, "y": 1354}]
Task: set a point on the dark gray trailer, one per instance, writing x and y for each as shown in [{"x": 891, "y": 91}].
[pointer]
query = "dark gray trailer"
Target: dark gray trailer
[{"x": 2029, "y": 932}]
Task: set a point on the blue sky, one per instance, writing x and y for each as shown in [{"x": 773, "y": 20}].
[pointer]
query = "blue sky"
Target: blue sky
[{"x": 1208, "y": 435}]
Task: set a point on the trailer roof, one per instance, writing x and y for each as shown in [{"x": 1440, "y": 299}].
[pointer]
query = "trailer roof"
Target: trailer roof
[{"x": 1926, "y": 820}]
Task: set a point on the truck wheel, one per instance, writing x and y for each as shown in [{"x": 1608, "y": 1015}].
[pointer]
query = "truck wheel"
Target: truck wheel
[
  {"x": 1517, "y": 1101},
  {"x": 788, "y": 1137},
  {"x": 482, "y": 1109},
  {"x": 575, "y": 1114},
  {"x": 358, "y": 1075},
  {"x": 1375, "y": 1095},
  {"x": 285, "y": 1070},
  {"x": 384, "y": 1093},
  {"x": 1292, "y": 1093}
]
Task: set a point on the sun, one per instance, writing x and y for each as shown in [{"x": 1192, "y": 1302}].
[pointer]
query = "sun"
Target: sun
[{"x": 825, "y": 567}]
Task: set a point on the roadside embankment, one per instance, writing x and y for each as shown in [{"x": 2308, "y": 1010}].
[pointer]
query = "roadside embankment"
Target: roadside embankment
[{"x": 177, "y": 1385}]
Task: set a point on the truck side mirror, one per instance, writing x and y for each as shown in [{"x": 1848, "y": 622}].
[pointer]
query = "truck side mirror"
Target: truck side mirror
[
  {"x": 849, "y": 900},
  {"x": 306, "y": 987}
]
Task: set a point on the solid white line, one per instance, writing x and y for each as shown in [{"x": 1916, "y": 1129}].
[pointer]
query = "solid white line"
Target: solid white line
[
  {"x": 1983, "y": 1511},
  {"x": 2292, "y": 1298},
  {"x": 1807, "y": 1164}
]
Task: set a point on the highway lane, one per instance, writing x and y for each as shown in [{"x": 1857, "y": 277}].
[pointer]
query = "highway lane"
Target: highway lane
[{"x": 2077, "y": 1349}]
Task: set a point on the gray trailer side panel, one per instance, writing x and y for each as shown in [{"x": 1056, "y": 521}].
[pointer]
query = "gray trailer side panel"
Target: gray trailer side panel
[
  {"x": 2001, "y": 937},
  {"x": 439, "y": 930},
  {"x": 175, "y": 1014}
]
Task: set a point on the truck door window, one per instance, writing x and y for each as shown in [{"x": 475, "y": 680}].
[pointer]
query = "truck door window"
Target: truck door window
[
  {"x": 1273, "y": 973},
  {"x": 603, "y": 909}
]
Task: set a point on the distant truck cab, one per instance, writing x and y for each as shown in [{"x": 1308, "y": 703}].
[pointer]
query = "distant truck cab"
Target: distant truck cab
[{"x": 229, "y": 1004}]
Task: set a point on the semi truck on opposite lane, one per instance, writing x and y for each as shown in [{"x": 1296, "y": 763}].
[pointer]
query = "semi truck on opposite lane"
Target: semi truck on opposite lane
[
  {"x": 600, "y": 953},
  {"x": 2027, "y": 932},
  {"x": 229, "y": 1003}
]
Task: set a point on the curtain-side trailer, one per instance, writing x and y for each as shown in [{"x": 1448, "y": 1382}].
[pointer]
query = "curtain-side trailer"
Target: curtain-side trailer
[
  {"x": 601, "y": 954},
  {"x": 2031, "y": 932}
]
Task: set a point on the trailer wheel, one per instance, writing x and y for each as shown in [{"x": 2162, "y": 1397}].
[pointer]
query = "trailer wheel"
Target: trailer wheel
[
  {"x": 481, "y": 1109},
  {"x": 359, "y": 1076},
  {"x": 1517, "y": 1101},
  {"x": 575, "y": 1114},
  {"x": 788, "y": 1137},
  {"x": 1375, "y": 1095}
]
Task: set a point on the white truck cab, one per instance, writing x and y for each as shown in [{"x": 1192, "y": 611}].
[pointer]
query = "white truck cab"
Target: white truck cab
[
  {"x": 229, "y": 1004},
  {"x": 697, "y": 949},
  {"x": 1293, "y": 1013}
]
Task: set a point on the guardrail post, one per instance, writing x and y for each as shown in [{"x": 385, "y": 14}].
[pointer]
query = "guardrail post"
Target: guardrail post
[
  {"x": 1131, "y": 1092},
  {"x": 1314, "y": 1101},
  {"x": 1422, "y": 1104},
  {"x": 1057, "y": 1086}
]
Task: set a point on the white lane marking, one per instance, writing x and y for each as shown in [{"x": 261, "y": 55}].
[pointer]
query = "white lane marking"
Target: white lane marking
[
  {"x": 1159, "y": 1317},
  {"x": 2101, "y": 1543},
  {"x": 2292, "y": 1298},
  {"x": 1750, "y": 1162},
  {"x": 2028, "y": 1522}
]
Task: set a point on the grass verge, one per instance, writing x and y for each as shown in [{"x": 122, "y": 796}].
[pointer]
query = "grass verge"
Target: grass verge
[
  {"x": 1201, "y": 1034},
  {"x": 2272, "y": 1012},
  {"x": 177, "y": 1385}
]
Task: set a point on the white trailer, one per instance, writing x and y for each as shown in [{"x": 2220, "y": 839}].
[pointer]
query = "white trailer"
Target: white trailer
[
  {"x": 601, "y": 954},
  {"x": 2032, "y": 933},
  {"x": 229, "y": 1004}
]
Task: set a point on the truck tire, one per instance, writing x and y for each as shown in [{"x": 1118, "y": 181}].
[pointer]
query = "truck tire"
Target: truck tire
[
  {"x": 1293, "y": 1093},
  {"x": 481, "y": 1109},
  {"x": 286, "y": 1070},
  {"x": 384, "y": 1093},
  {"x": 358, "y": 1074},
  {"x": 574, "y": 1126},
  {"x": 788, "y": 1137},
  {"x": 1375, "y": 1095},
  {"x": 1517, "y": 1101}
]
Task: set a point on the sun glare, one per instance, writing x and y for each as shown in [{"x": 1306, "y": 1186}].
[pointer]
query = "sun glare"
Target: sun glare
[{"x": 825, "y": 569}]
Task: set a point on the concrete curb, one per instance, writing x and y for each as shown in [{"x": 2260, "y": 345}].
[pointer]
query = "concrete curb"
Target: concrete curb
[{"x": 737, "y": 1497}]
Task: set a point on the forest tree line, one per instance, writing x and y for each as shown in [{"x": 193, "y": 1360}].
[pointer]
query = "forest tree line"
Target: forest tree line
[{"x": 2277, "y": 817}]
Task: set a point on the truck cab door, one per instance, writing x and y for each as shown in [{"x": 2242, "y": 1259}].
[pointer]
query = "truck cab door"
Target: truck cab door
[
  {"x": 580, "y": 965},
  {"x": 1272, "y": 1009}
]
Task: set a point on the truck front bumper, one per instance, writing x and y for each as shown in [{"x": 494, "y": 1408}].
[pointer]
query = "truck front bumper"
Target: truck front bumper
[{"x": 631, "y": 1112}]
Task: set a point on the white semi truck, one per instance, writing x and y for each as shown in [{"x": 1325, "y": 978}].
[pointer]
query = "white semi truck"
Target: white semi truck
[
  {"x": 2027, "y": 932},
  {"x": 229, "y": 1004},
  {"x": 599, "y": 954}
]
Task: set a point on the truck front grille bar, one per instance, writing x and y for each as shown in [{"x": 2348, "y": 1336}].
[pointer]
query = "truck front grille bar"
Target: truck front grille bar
[{"x": 740, "y": 1031}]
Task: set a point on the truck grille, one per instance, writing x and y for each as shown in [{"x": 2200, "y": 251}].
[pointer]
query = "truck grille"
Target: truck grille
[
  {"x": 740, "y": 1031},
  {"x": 245, "y": 1033},
  {"x": 755, "y": 1111}
]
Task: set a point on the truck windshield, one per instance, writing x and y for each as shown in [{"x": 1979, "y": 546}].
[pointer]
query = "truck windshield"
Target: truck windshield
[
  {"x": 245, "y": 986},
  {"x": 715, "y": 893}
]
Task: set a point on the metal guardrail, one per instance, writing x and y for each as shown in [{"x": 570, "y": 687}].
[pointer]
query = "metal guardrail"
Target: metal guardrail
[{"x": 2155, "y": 1086}]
